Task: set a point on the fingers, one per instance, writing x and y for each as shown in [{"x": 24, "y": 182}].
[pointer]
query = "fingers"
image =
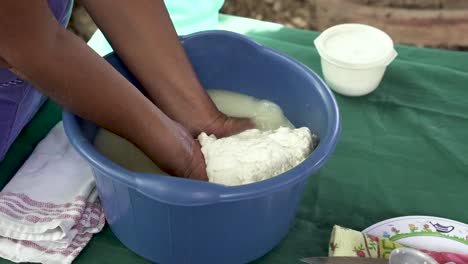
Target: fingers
[
  {"x": 237, "y": 125},
  {"x": 231, "y": 126},
  {"x": 199, "y": 173},
  {"x": 197, "y": 165}
]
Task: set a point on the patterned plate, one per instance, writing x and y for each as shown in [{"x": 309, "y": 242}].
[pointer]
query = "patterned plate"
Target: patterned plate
[{"x": 424, "y": 232}]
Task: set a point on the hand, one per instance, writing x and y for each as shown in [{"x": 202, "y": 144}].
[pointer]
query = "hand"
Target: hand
[
  {"x": 190, "y": 163},
  {"x": 184, "y": 157},
  {"x": 171, "y": 147},
  {"x": 165, "y": 72},
  {"x": 224, "y": 126},
  {"x": 196, "y": 167}
]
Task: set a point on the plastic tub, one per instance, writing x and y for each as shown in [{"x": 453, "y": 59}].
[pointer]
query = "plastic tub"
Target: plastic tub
[
  {"x": 173, "y": 220},
  {"x": 190, "y": 16},
  {"x": 354, "y": 57}
]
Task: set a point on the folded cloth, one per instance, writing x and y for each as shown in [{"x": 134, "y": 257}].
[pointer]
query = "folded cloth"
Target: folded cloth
[
  {"x": 345, "y": 242},
  {"x": 50, "y": 208}
]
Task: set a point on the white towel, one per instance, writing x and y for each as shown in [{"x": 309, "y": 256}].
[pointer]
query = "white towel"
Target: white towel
[{"x": 50, "y": 208}]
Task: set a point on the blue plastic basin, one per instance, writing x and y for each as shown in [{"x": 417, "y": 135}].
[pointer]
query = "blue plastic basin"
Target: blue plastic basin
[{"x": 173, "y": 220}]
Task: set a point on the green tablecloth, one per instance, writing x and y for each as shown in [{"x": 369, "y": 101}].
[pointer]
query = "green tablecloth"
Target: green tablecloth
[{"x": 402, "y": 149}]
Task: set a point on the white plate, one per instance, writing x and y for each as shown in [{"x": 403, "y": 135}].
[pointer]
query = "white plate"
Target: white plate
[{"x": 424, "y": 232}]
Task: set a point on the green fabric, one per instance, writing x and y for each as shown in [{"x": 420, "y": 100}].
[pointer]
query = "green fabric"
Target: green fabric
[{"x": 402, "y": 149}]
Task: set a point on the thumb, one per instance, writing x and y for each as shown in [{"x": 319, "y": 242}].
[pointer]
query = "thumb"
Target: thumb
[
  {"x": 196, "y": 169},
  {"x": 235, "y": 125}
]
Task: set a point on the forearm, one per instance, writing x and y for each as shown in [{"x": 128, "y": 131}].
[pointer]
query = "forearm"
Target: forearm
[
  {"x": 80, "y": 80},
  {"x": 73, "y": 75},
  {"x": 143, "y": 35},
  {"x": 64, "y": 68}
]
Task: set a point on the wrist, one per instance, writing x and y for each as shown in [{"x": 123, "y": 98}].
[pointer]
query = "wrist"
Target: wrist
[
  {"x": 185, "y": 102},
  {"x": 166, "y": 143}
]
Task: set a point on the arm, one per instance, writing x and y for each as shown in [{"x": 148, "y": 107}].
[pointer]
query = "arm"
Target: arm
[
  {"x": 142, "y": 33},
  {"x": 64, "y": 68}
]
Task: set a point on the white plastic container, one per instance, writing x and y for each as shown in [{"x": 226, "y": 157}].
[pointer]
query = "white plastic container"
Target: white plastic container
[{"x": 354, "y": 57}]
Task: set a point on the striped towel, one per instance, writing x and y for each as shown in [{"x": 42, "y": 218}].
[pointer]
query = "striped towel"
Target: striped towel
[{"x": 50, "y": 209}]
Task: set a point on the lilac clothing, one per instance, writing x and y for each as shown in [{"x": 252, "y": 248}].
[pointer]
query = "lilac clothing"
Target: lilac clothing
[{"x": 19, "y": 101}]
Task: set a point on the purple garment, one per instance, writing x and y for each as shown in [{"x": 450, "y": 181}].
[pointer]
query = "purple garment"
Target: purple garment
[{"x": 19, "y": 101}]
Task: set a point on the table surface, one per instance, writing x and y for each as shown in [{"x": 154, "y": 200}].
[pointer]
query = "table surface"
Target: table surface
[{"x": 402, "y": 149}]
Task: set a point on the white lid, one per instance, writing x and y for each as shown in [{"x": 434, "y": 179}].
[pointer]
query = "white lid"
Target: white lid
[{"x": 355, "y": 46}]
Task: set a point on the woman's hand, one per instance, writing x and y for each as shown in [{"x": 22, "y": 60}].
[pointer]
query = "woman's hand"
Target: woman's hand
[
  {"x": 81, "y": 81},
  {"x": 174, "y": 149},
  {"x": 192, "y": 166},
  {"x": 224, "y": 126},
  {"x": 141, "y": 32},
  {"x": 86, "y": 84},
  {"x": 175, "y": 152}
]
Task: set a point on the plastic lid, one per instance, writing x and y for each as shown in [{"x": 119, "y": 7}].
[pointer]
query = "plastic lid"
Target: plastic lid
[{"x": 355, "y": 46}]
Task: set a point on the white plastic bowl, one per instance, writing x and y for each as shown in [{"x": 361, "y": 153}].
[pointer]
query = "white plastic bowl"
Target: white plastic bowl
[{"x": 354, "y": 57}]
